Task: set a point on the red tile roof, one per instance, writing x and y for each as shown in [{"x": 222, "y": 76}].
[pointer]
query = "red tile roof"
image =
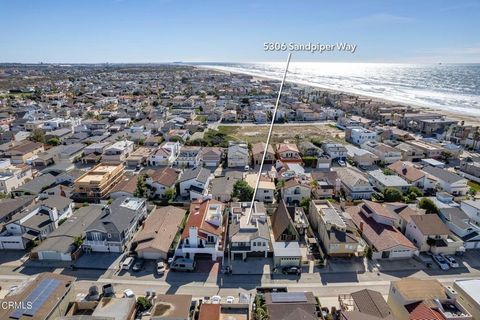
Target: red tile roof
[{"x": 197, "y": 216}]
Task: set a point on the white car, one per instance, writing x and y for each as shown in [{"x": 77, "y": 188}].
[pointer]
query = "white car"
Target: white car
[
  {"x": 128, "y": 293},
  {"x": 442, "y": 263},
  {"x": 160, "y": 268},
  {"x": 216, "y": 299},
  {"x": 341, "y": 163},
  {"x": 451, "y": 261},
  {"x": 247, "y": 168},
  {"x": 127, "y": 263},
  {"x": 230, "y": 299}
]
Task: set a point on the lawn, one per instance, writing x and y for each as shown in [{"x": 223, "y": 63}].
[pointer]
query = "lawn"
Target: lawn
[{"x": 474, "y": 185}]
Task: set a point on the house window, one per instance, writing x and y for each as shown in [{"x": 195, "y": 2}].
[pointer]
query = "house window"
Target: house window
[
  {"x": 109, "y": 235},
  {"x": 210, "y": 239}
]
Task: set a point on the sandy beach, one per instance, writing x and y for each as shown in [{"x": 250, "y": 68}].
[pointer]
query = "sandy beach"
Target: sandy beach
[{"x": 467, "y": 119}]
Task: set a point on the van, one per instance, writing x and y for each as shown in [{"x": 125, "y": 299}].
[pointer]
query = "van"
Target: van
[
  {"x": 183, "y": 264},
  {"x": 127, "y": 263}
]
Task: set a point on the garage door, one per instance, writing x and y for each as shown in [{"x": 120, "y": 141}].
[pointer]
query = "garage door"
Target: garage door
[
  {"x": 289, "y": 262},
  {"x": 49, "y": 255},
  {"x": 12, "y": 245},
  {"x": 237, "y": 256}
]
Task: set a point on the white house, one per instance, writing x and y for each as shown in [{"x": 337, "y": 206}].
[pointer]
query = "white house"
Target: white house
[
  {"x": 188, "y": 156},
  {"x": 194, "y": 183},
  {"x": 165, "y": 155},
  {"x": 472, "y": 209},
  {"x": 382, "y": 181},
  {"x": 204, "y": 231},
  {"x": 448, "y": 181},
  {"x": 238, "y": 154},
  {"x": 293, "y": 191},
  {"x": 384, "y": 152},
  {"x": 360, "y": 135},
  {"x": 462, "y": 226},
  {"x": 117, "y": 152}
]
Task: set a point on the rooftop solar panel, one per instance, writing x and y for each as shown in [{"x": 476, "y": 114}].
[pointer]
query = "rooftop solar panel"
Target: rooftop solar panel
[
  {"x": 37, "y": 298},
  {"x": 286, "y": 297}
]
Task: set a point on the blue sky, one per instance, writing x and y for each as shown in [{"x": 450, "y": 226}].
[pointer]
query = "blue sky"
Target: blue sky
[{"x": 90, "y": 31}]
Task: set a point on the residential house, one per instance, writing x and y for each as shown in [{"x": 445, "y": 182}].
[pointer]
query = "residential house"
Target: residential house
[
  {"x": 238, "y": 154},
  {"x": 460, "y": 224},
  {"x": 293, "y": 191},
  {"x": 159, "y": 181},
  {"x": 60, "y": 244},
  {"x": 46, "y": 303},
  {"x": 115, "y": 227},
  {"x": 126, "y": 187},
  {"x": 222, "y": 187},
  {"x": 283, "y": 226},
  {"x": 266, "y": 187},
  {"x": 189, "y": 156},
  {"x": 378, "y": 226},
  {"x": 354, "y": 184},
  {"x": 34, "y": 222},
  {"x": 359, "y": 135},
  {"x": 416, "y": 299},
  {"x": 412, "y": 175},
  {"x": 35, "y": 186},
  {"x": 467, "y": 295},
  {"x": 165, "y": 155},
  {"x": 381, "y": 181},
  {"x": 12, "y": 206},
  {"x": 97, "y": 183},
  {"x": 211, "y": 156},
  {"x": 12, "y": 177},
  {"x": 158, "y": 233},
  {"x": 448, "y": 181},
  {"x": 410, "y": 152},
  {"x": 326, "y": 184},
  {"x": 470, "y": 167},
  {"x": 336, "y": 230},
  {"x": 117, "y": 152},
  {"x": 429, "y": 233},
  {"x": 257, "y": 153},
  {"x": 24, "y": 152},
  {"x": 384, "y": 152},
  {"x": 472, "y": 209},
  {"x": 194, "y": 183},
  {"x": 139, "y": 157},
  {"x": 336, "y": 151},
  {"x": 291, "y": 305},
  {"x": 289, "y": 153},
  {"x": 361, "y": 157},
  {"x": 249, "y": 235},
  {"x": 308, "y": 149},
  {"x": 204, "y": 232},
  {"x": 430, "y": 150},
  {"x": 364, "y": 304}
]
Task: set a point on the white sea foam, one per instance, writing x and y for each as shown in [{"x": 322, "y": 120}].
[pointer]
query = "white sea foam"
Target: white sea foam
[{"x": 450, "y": 87}]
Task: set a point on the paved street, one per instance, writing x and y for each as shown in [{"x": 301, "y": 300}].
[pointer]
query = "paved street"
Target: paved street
[{"x": 340, "y": 277}]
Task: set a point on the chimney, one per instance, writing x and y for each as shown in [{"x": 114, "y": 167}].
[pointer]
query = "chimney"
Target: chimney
[{"x": 361, "y": 226}]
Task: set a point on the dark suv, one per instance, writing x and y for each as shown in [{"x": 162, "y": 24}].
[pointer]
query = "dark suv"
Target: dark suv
[{"x": 292, "y": 270}]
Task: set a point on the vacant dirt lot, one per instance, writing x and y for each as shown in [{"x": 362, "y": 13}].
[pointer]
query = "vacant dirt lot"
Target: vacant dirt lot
[{"x": 281, "y": 132}]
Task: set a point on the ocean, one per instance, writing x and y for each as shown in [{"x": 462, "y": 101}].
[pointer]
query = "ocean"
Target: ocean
[{"x": 450, "y": 87}]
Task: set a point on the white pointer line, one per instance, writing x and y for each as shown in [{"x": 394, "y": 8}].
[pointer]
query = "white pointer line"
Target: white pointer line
[{"x": 269, "y": 135}]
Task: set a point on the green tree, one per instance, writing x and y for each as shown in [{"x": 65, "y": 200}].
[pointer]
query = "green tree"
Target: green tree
[
  {"x": 472, "y": 192},
  {"x": 305, "y": 204},
  {"x": 141, "y": 190},
  {"x": 242, "y": 191},
  {"x": 369, "y": 253},
  {"x": 53, "y": 141},
  {"x": 392, "y": 195},
  {"x": 427, "y": 205},
  {"x": 143, "y": 304},
  {"x": 78, "y": 241},
  {"x": 170, "y": 194},
  {"x": 38, "y": 135}
]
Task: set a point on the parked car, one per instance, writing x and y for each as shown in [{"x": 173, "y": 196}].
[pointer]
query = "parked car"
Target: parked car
[
  {"x": 292, "y": 270},
  {"x": 128, "y": 293},
  {"x": 247, "y": 168},
  {"x": 183, "y": 264},
  {"x": 138, "y": 265},
  {"x": 160, "y": 268},
  {"x": 216, "y": 299},
  {"x": 127, "y": 263},
  {"x": 451, "y": 261},
  {"x": 341, "y": 163},
  {"x": 442, "y": 263}
]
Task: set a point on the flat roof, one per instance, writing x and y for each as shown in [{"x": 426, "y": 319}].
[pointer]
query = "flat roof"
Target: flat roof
[
  {"x": 470, "y": 287},
  {"x": 287, "y": 249}
]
